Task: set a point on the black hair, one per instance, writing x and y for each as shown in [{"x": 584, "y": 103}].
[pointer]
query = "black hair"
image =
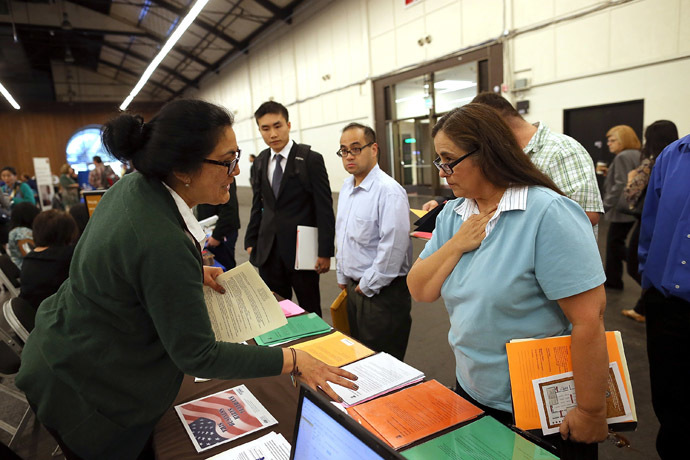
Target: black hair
[
  {"x": 178, "y": 138},
  {"x": 10, "y": 169},
  {"x": 80, "y": 214},
  {"x": 97, "y": 159},
  {"x": 498, "y": 103},
  {"x": 369, "y": 134},
  {"x": 23, "y": 215},
  {"x": 271, "y": 107},
  {"x": 657, "y": 136},
  {"x": 54, "y": 228},
  {"x": 499, "y": 157}
]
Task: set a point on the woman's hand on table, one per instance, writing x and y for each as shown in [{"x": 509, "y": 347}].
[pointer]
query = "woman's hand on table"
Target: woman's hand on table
[
  {"x": 473, "y": 231},
  {"x": 315, "y": 373},
  {"x": 581, "y": 426},
  {"x": 210, "y": 275}
]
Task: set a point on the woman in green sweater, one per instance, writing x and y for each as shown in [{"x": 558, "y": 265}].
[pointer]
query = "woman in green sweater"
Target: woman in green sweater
[{"x": 110, "y": 348}]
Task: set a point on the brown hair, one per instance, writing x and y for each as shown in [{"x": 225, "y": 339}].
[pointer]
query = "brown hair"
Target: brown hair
[
  {"x": 626, "y": 136},
  {"x": 498, "y": 103},
  {"x": 499, "y": 157},
  {"x": 64, "y": 169},
  {"x": 54, "y": 228}
]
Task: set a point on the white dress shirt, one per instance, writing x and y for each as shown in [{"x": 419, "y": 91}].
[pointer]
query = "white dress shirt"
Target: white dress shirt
[
  {"x": 513, "y": 198},
  {"x": 283, "y": 160},
  {"x": 372, "y": 232},
  {"x": 190, "y": 221}
]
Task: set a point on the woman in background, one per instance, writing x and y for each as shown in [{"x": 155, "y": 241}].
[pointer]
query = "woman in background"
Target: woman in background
[
  {"x": 657, "y": 136},
  {"x": 69, "y": 187},
  {"x": 18, "y": 192},
  {"x": 20, "y": 240},
  {"x": 624, "y": 143}
]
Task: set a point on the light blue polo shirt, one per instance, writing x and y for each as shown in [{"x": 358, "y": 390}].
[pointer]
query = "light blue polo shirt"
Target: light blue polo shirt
[{"x": 508, "y": 287}]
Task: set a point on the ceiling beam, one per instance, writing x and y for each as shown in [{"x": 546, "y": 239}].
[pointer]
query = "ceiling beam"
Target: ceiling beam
[
  {"x": 134, "y": 74},
  {"x": 270, "y": 6},
  {"x": 182, "y": 12}
]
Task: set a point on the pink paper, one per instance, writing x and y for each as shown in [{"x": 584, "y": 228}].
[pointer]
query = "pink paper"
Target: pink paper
[{"x": 290, "y": 308}]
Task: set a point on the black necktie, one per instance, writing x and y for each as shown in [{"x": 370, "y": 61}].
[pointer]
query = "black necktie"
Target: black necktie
[{"x": 277, "y": 176}]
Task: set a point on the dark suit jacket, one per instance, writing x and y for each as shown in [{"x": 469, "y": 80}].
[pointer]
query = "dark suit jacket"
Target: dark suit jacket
[
  {"x": 275, "y": 220},
  {"x": 228, "y": 214}
]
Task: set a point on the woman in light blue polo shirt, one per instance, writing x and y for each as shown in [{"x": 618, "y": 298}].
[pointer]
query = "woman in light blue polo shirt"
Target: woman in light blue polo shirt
[{"x": 512, "y": 258}]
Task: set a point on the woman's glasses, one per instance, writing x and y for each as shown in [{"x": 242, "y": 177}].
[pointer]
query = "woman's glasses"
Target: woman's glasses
[
  {"x": 228, "y": 164},
  {"x": 448, "y": 167}
]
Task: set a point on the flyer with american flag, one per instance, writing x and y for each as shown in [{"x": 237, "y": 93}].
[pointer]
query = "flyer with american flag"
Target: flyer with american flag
[{"x": 223, "y": 417}]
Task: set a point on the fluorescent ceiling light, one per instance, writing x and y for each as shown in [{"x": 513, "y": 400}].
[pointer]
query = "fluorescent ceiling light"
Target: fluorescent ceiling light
[
  {"x": 186, "y": 22},
  {"x": 9, "y": 97}
]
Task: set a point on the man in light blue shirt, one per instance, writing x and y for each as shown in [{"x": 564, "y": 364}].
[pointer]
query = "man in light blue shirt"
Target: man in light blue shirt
[{"x": 374, "y": 249}]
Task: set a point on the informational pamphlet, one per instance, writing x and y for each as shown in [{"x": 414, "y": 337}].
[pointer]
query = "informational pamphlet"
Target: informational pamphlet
[
  {"x": 377, "y": 375},
  {"x": 555, "y": 397},
  {"x": 272, "y": 446},
  {"x": 290, "y": 308},
  {"x": 222, "y": 417},
  {"x": 414, "y": 413},
  {"x": 247, "y": 309},
  {"x": 335, "y": 349},
  {"x": 296, "y": 328},
  {"x": 483, "y": 439}
]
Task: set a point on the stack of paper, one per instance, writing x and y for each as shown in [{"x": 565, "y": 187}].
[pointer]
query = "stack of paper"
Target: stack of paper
[
  {"x": 377, "y": 375},
  {"x": 296, "y": 328},
  {"x": 335, "y": 349},
  {"x": 290, "y": 308},
  {"x": 414, "y": 413},
  {"x": 485, "y": 438},
  {"x": 272, "y": 446},
  {"x": 222, "y": 417}
]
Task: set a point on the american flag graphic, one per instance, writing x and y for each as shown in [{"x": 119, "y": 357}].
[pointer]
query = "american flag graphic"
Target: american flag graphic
[{"x": 221, "y": 417}]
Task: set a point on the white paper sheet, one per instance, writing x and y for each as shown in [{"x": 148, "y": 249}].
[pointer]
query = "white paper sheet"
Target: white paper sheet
[{"x": 272, "y": 446}]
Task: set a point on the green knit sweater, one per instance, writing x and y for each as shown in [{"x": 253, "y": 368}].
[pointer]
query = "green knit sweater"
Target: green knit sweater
[{"x": 109, "y": 350}]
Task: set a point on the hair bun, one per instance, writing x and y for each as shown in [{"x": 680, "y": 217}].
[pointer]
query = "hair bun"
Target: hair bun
[{"x": 125, "y": 136}]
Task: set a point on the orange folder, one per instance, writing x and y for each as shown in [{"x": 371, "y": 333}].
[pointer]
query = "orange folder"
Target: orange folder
[
  {"x": 414, "y": 413},
  {"x": 535, "y": 358},
  {"x": 335, "y": 349}
]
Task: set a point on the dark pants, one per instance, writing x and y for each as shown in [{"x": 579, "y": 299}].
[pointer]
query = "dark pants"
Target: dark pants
[
  {"x": 566, "y": 450},
  {"x": 616, "y": 253},
  {"x": 282, "y": 280},
  {"x": 381, "y": 322},
  {"x": 224, "y": 253},
  {"x": 668, "y": 323},
  {"x": 633, "y": 264}
]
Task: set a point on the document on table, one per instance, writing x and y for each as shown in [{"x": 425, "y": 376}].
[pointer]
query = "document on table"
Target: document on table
[
  {"x": 290, "y": 308},
  {"x": 555, "y": 397},
  {"x": 296, "y": 328},
  {"x": 335, "y": 349},
  {"x": 480, "y": 440},
  {"x": 414, "y": 413},
  {"x": 247, "y": 309},
  {"x": 376, "y": 375},
  {"x": 222, "y": 417},
  {"x": 272, "y": 446}
]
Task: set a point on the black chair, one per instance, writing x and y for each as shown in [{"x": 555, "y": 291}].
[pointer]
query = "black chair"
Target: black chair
[
  {"x": 20, "y": 316},
  {"x": 9, "y": 275},
  {"x": 9, "y": 365}
]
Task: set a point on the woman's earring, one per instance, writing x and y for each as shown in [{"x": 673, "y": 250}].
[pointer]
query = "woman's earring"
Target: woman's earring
[{"x": 186, "y": 184}]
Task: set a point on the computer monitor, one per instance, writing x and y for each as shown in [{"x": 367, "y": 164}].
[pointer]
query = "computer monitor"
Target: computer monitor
[
  {"x": 323, "y": 432},
  {"x": 92, "y": 197}
]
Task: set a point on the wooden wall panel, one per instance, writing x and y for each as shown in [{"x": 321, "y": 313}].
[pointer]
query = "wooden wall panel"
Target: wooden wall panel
[{"x": 44, "y": 132}]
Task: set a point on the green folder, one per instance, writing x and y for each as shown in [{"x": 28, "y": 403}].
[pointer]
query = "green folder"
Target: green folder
[
  {"x": 296, "y": 328},
  {"x": 483, "y": 439}
]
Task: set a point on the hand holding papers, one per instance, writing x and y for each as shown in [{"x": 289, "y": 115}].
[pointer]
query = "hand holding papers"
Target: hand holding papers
[
  {"x": 222, "y": 417},
  {"x": 247, "y": 309},
  {"x": 411, "y": 414},
  {"x": 377, "y": 375}
]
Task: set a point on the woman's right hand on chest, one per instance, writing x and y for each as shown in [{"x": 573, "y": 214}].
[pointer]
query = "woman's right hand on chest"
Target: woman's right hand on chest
[{"x": 473, "y": 231}]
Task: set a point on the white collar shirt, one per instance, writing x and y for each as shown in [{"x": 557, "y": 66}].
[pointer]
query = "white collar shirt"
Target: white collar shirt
[
  {"x": 193, "y": 226},
  {"x": 283, "y": 160},
  {"x": 373, "y": 232},
  {"x": 514, "y": 198}
]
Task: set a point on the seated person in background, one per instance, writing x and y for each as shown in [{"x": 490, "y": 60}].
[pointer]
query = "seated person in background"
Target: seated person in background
[
  {"x": 47, "y": 266},
  {"x": 512, "y": 258},
  {"x": 20, "y": 240},
  {"x": 18, "y": 192}
]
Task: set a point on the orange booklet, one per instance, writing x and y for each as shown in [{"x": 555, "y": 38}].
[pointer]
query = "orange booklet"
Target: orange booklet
[
  {"x": 335, "y": 349},
  {"x": 414, "y": 413},
  {"x": 531, "y": 359}
]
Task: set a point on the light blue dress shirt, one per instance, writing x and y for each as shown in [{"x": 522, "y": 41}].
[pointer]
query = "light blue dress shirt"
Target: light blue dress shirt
[
  {"x": 508, "y": 288},
  {"x": 372, "y": 231}
]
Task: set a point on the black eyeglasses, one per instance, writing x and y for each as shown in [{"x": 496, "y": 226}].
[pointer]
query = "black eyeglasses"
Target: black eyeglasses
[
  {"x": 354, "y": 150},
  {"x": 448, "y": 167},
  {"x": 228, "y": 164}
]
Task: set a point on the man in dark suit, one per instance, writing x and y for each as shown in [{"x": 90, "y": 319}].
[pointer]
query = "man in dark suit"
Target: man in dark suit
[
  {"x": 290, "y": 188},
  {"x": 222, "y": 241}
]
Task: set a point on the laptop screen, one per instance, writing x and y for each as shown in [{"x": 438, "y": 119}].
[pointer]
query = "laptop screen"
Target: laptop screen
[{"x": 324, "y": 432}]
